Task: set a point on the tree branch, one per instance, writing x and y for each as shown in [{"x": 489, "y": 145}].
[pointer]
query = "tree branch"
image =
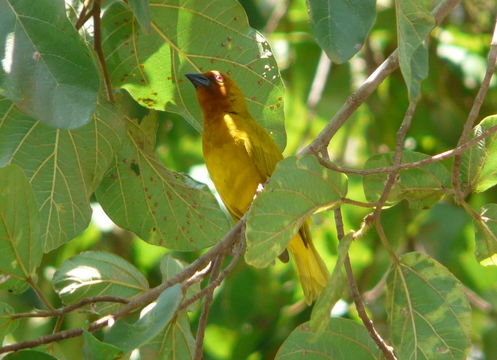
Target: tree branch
[
  {"x": 367, "y": 88},
  {"x": 473, "y": 114},
  {"x": 97, "y": 45}
]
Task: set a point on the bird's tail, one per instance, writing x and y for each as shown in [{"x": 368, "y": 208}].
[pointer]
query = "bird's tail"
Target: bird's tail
[{"x": 311, "y": 270}]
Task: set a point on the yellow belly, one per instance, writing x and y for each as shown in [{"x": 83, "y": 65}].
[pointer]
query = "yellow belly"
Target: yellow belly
[{"x": 235, "y": 176}]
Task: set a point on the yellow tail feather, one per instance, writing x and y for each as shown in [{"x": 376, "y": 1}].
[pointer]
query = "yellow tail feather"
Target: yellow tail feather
[{"x": 311, "y": 270}]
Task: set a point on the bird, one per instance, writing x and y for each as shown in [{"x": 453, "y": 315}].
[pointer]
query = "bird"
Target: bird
[{"x": 240, "y": 156}]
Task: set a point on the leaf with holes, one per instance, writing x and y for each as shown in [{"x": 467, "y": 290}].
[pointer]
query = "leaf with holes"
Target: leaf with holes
[
  {"x": 486, "y": 235},
  {"x": 153, "y": 319},
  {"x": 63, "y": 166},
  {"x": 429, "y": 315},
  {"x": 20, "y": 243},
  {"x": 341, "y": 26},
  {"x": 421, "y": 187},
  {"x": 479, "y": 164},
  {"x": 343, "y": 339},
  {"x": 193, "y": 36},
  {"x": 162, "y": 207},
  {"x": 46, "y": 67},
  {"x": 175, "y": 342},
  {"x": 414, "y": 24},
  {"x": 97, "y": 273},
  {"x": 298, "y": 188}
]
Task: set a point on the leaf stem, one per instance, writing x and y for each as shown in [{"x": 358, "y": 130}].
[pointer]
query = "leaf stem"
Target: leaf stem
[{"x": 40, "y": 294}]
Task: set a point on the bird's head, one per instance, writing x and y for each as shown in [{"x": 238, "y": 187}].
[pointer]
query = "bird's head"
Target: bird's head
[{"x": 217, "y": 92}]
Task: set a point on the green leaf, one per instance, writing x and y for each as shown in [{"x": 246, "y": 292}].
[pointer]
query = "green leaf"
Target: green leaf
[
  {"x": 429, "y": 315},
  {"x": 414, "y": 24},
  {"x": 162, "y": 207},
  {"x": 343, "y": 339},
  {"x": 142, "y": 13},
  {"x": 486, "y": 235},
  {"x": 422, "y": 186},
  {"x": 94, "y": 349},
  {"x": 298, "y": 188},
  {"x": 320, "y": 316},
  {"x": 193, "y": 36},
  {"x": 46, "y": 69},
  {"x": 169, "y": 267},
  {"x": 20, "y": 240},
  {"x": 29, "y": 355},
  {"x": 7, "y": 325},
  {"x": 63, "y": 166},
  {"x": 96, "y": 273},
  {"x": 176, "y": 342},
  {"x": 341, "y": 26},
  {"x": 479, "y": 166},
  {"x": 131, "y": 336}
]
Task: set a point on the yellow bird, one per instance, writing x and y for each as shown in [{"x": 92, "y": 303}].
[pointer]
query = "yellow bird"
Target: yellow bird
[{"x": 240, "y": 155}]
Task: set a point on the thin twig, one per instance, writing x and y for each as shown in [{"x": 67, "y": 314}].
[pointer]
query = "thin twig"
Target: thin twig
[
  {"x": 204, "y": 315},
  {"x": 139, "y": 300},
  {"x": 430, "y": 160},
  {"x": 473, "y": 114},
  {"x": 97, "y": 45},
  {"x": 356, "y": 295},
  {"x": 279, "y": 11},
  {"x": 357, "y": 203},
  {"x": 67, "y": 309},
  {"x": 367, "y": 88},
  {"x": 84, "y": 15}
]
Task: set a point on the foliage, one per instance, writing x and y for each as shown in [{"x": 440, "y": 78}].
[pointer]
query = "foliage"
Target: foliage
[{"x": 96, "y": 117}]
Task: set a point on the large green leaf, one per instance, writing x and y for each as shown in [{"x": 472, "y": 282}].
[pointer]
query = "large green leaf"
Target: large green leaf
[
  {"x": 421, "y": 187},
  {"x": 46, "y": 67},
  {"x": 341, "y": 26},
  {"x": 175, "y": 342},
  {"x": 96, "y": 273},
  {"x": 152, "y": 320},
  {"x": 414, "y": 23},
  {"x": 7, "y": 324},
  {"x": 429, "y": 315},
  {"x": 343, "y": 339},
  {"x": 486, "y": 235},
  {"x": 20, "y": 235},
  {"x": 63, "y": 166},
  {"x": 142, "y": 13},
  {"x": 479, "y": 166},
  {"x": 29, "y": 355},
  {"x": 332, "y": 292},
  {"x": 169, "y": 267},
  {"x": 298, "y": 188},
  {"x": 193, "y": 36},
  {"x": 161, "y": 206}
]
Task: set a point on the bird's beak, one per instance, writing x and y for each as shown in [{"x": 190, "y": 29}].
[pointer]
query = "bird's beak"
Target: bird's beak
[{"x": 198, "y": 79}]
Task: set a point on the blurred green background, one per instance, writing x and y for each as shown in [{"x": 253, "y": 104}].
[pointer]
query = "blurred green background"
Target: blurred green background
[{"x": 255, "y": 310}]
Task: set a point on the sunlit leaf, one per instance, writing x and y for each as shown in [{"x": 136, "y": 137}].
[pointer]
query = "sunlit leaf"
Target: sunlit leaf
[
  {"x": 343, "y": 339},
  {"x": 341, "y": 26},
  {"x": 429, "y": 315},
  {"x": 63, "y": 166},
  {"x": 479, "y": 166},
  {"x": 131, "y": 336},
  {"x": 414, "y": 23},
  {"x": 20, "y": 240},
  {"x": 298, "y": 188},
  {"x": 486, "y": 235},
  {"x": 46, "y": 68},
  {"x": 193, "y": 36},
  {"x": 96, "y": 273},
  {"x": 421, "y": 186},
  {"x": 162, "y": 207},
  {"x": 94, "y": 349},
  {"x": 332, "y": 292},
  {"x": 175, "y": 342}
]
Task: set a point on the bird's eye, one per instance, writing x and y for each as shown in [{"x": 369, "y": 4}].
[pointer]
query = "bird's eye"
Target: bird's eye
[{"x": 219, "y": 78}]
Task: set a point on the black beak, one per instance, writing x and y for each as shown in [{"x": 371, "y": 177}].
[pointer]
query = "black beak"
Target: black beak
[{"x": 198, "y": 80}]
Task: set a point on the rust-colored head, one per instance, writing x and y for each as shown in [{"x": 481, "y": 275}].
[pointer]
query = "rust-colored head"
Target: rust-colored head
[{"x": 217, "y": 93}]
